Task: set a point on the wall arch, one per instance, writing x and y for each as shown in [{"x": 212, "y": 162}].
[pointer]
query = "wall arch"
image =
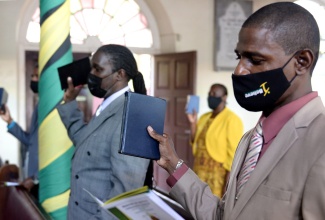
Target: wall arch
[{"x": 90, "y": 45}]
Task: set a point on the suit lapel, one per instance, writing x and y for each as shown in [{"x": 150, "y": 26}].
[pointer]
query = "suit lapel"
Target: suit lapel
[
  {"x": 108, "y": 112},
  {"x": 280, "y": 145},
  {"x": 237, "y": 162}
]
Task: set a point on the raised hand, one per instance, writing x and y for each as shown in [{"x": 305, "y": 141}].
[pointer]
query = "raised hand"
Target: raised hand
[
  {"x": 72, "y": 92},
  {"x": 168, "y": 156},
  {"x": 192, "y": 118},
  {"x": 5, "y": 115}
]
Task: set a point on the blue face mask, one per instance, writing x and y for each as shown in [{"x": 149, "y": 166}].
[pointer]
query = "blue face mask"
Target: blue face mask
[{"x": 260, "y": 91}]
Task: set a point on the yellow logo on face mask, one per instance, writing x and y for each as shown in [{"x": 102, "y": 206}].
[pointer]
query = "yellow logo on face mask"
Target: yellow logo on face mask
[{"x": 265, "y": 90}]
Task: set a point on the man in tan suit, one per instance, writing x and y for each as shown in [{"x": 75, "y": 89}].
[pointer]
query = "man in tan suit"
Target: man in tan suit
[{"x": 279, "y": 168}]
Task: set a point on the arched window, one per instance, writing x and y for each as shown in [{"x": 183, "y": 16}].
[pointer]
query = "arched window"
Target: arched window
[
  {"x": 97, "y": 22},
  {"x": 111, "y": 21}
]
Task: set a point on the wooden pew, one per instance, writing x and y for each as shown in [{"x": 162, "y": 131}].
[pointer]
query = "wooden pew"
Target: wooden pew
[{"x": 15, "y": 201}]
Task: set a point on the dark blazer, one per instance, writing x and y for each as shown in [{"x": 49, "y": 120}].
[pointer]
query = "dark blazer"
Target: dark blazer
[
  {"x": 30, "y": 143},
  {"x": 287, "y": 183},
  {"x": 96, "y": 164}
]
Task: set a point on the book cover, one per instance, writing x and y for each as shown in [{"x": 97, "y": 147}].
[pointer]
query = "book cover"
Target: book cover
[
  {"x": 3, "y": 98},
  {"x": 140, "y": 111},
  {"x": 141, "y": 203},
  {"x": 193, "y": 102},
  {"x": 78, "y": 70}
]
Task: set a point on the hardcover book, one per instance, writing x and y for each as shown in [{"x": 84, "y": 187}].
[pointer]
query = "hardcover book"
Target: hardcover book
[
  {"x": 140, "y": 111},
  {"x": 3, "y": 98},
  {"x": 193, "y": 102},
  {"x": 78, "y": 70}
]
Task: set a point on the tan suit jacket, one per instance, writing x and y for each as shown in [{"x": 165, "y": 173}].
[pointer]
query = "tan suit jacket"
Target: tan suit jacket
[{"x": 287, "y": 183}]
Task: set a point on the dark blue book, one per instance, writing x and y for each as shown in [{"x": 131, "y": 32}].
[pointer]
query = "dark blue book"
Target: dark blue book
[
  {"x": 3, "y": 98},
  {"x": 140, "y": 111}
]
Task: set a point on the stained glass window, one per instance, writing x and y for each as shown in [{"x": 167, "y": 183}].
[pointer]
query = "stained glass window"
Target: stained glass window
[{"x": 111, "y": 21}]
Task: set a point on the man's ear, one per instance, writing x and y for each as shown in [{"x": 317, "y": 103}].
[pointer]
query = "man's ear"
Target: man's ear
[
  {"x": 121, "y": 74},
  {"x": 305, "y": 59},
  {"x": 224, "y": 98}
]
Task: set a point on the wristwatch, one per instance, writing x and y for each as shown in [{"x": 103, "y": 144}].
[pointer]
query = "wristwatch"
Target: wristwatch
[
  {"x": 35, "y": 180},
  {"x": 179, "y": 164}
]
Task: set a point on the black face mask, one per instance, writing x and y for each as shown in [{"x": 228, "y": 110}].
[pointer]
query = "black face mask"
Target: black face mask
[
  {"x": 94, "y": 86},
  {"x": 34, "y": 86},
  {"x": 259, "y": 91},
  {"x": 214, "y": 102}
]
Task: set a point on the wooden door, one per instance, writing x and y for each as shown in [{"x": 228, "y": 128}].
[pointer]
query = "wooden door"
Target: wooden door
[{"x": 174, "y": 79}]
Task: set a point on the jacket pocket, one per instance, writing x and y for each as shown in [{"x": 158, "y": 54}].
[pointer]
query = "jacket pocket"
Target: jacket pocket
[{"x": 274, "y": 193}]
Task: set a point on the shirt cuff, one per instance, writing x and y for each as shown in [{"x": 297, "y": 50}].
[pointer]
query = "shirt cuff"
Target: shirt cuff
[
  {"x": 11, "y": 125},
  {"x": 35, "y": 180},
  {"x": 172, "y": 179}
]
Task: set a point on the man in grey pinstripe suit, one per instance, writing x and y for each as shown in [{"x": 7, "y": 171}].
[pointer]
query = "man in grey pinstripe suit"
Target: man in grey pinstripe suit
[{"x": 96, "y": 164}]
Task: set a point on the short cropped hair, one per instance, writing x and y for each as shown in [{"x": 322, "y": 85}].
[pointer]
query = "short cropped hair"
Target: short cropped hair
[
  {"x": 293, "y": 27},
  {"x": 224, "y": 88}
]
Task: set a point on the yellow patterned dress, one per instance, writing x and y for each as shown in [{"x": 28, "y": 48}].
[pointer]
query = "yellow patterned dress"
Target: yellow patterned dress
[{"x": 209, "y": 170}]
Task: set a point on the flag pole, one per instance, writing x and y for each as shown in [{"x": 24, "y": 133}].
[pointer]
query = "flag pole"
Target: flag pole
[{"x": 55, "y": 147}]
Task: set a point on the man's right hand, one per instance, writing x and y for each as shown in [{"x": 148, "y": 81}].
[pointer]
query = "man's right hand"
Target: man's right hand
[
  {"x": 5, "y": 115},
  {"x": 72, "y": 92},
  {"x": 168, "y": 156}
]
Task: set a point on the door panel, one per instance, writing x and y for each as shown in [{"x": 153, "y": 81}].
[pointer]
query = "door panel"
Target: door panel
[{"x": 174, "y": 80}]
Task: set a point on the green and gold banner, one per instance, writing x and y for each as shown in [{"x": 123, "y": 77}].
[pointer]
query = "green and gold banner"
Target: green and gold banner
[{"x": 55, "y": 147}]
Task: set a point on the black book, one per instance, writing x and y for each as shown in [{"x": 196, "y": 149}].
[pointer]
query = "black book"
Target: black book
[
  {"x": 140, "y": 111},
  {"x": 78, "y": 70}
]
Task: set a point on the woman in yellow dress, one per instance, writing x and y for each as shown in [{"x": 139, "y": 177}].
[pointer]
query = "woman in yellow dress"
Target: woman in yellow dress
[{"x": 214, "y": 140}]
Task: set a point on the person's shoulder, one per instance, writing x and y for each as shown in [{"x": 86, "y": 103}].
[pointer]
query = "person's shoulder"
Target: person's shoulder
[
  {"x": 206, "y": 115},
  {"x": 231, "y": 113},
  {"x": 232, "y": 117},
  {"x": 318, "y": 121}
]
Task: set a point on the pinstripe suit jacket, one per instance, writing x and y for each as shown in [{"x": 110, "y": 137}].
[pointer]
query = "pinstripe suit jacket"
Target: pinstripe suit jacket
[
  {"x": 288, "y": 182},
  {"x": 96, "y": 164}
]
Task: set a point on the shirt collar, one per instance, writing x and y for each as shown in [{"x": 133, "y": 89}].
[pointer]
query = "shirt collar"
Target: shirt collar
[
  {"x": 277, "y": 119},
  {"x": 112, "y": 97}
]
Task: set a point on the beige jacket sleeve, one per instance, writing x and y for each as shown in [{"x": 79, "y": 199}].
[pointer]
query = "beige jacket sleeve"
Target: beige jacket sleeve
[{"x": 196, "y": 197}]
